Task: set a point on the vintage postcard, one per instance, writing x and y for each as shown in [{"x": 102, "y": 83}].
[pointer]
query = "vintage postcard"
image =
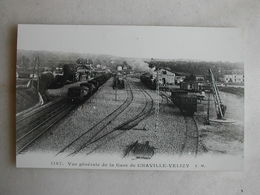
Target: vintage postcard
[{"x": 129, "y": 97}]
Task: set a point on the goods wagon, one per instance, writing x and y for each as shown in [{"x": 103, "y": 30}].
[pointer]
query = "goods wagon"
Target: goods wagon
[
  {"x": 187, "y": 103},
  {"x": 78, "y": 94}
]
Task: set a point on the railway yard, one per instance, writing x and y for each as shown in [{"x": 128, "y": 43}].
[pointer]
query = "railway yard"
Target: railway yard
[{"x": 134, "y": 122}]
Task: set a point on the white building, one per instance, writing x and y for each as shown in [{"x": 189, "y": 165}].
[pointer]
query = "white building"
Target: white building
[
  {"x": 179, "y": 79},
  {"x": 200, "y": 78},
  {"x": 165, "y": 77},
  {"x": 119, "y": 68},
  {"x": 33, "y": 75},
  {"x": 234, "y": 78}
]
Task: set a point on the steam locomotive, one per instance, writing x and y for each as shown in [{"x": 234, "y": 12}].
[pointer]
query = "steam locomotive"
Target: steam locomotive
[{"x": 78, "y": 94}]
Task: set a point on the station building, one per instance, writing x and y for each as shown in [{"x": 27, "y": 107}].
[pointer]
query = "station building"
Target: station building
[
  {"x": 198, "y": 84},
  {"x": 193, "y": 85},
  {"x": 165, "y": 76}
]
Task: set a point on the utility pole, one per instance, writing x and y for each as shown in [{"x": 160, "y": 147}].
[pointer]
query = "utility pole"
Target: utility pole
[
  {"x": 116, "y": 88},
  {"x": 38, "y": 74},
  {"x": 207, "y": 122},
  {"x": 115, "y": 79},
  {"x": 34, "y": 70},
  {"x": 157, "y": 109}
]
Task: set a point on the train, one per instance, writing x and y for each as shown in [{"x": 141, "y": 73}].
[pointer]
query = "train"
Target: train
[
  {"x": 187, "y": 103},
  {"x": 118, "y": 82},
  {"x": 78, "y": 94},
  {"x": 147, "y": 79}
]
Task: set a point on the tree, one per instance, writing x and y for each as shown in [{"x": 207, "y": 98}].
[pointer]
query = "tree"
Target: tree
[
  {"x": 191, "y": 77},
  {"x": 90, "y": 61},
  {"x": 25, "y": 62},
  {"x": 80, "y": 61},
  {"x": 68, "y": 72},
  {"x": 45, "y": 81}
]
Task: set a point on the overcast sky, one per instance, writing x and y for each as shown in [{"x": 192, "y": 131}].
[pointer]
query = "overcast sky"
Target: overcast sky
[{"x": 209, "y": 44}]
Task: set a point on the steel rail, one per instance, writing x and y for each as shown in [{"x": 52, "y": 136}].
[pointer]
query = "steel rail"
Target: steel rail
[
  {"x": 126, "y": 125},
  {"x": 99, "y": 126},
  {"x": 191, "y": 141}
]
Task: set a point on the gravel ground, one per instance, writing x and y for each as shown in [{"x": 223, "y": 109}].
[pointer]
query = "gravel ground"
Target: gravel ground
[
  {"x": 25, "y": 99},
  {"x": 165, "y": 131},
  {"x": 93, "y": 110},
  {"x": 223, "y": 138}
]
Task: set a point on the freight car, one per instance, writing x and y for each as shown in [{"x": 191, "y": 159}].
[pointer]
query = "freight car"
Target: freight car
[
  {"x": 187, "y": 103},
  {"x": 98, "y": 81},
  {"x": 101, "y": 79},
  {"x": 80, "y": 93},
  {"x": 147, "y": 79}
]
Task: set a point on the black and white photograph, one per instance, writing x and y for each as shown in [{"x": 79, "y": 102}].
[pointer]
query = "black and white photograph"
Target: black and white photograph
[{"x": 129, "y": 97}]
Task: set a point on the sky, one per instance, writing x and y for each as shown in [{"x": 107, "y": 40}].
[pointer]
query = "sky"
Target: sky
[{"x": 198, "y": 43}]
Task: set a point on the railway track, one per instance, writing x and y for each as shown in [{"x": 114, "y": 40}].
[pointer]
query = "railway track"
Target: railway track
[
  {"x": 165, "y": 97},
  {"x": 146, "y": 111},
  {"x": 29, "y": 115},
  {"x": 32, "y": 124},
  {"x": 79, "y": 143},
  {"x": 34, "y": 118},
  {"x": 127, "y": 125},
  {"x": 191, "y": 140},
  {"x": 35, "y": 124}
]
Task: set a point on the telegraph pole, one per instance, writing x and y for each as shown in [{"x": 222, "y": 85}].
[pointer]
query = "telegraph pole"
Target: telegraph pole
[
  {"x": 38, "y": 75},
  {"x": 157, "y": 109},
  {"x": 208, "y": 123},
  {"x": 34, "y": 67},
  {"x": 116, "y": 88}
]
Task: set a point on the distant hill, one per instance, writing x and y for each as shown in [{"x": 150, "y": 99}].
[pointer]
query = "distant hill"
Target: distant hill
[
  {"x": 25, "y": 59},
  {"x": 198, "y": 67}
]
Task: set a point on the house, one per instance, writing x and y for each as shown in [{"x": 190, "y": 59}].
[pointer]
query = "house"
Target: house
[
  {"x": 194, "y": 83},
  {"x": 200, "y": 78},
  {"x": 165, "y": 76},
  {"x": 58, "y": 71},
  {"x": 33, "y": 75},
  {"x": 234, "y": 78},
  {"x": 194, "y": 86},
  {"x": 179, "y": 79},
  {"x": 119, "y": 68}
]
